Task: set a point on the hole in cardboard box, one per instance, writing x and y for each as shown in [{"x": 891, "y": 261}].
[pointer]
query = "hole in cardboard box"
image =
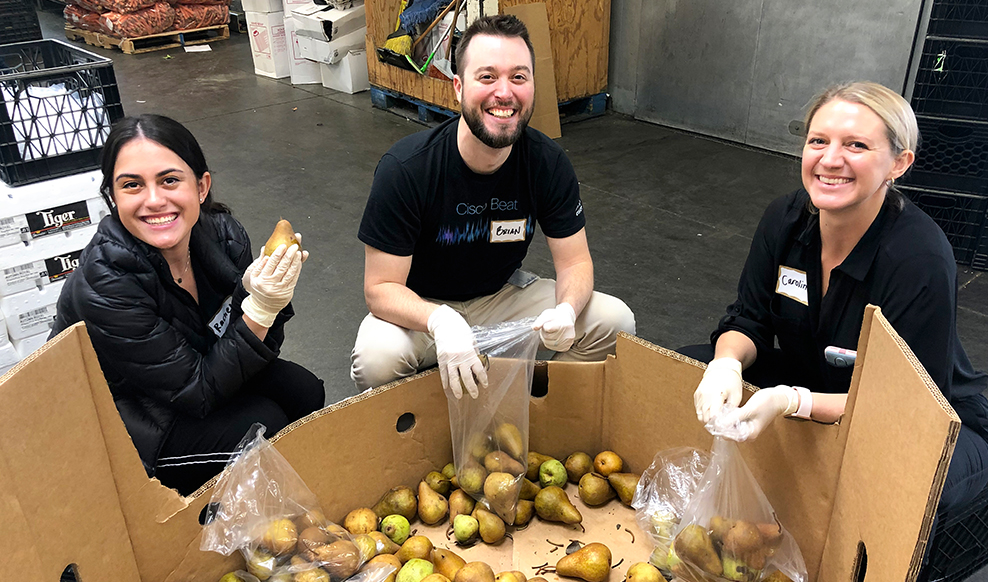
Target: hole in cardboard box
[
  {"x": 540, "y": 380},
  {"x": 208, "y": 513},
  {"x": 860, "y": 563},
  {"x": 70, "y": 574},
  {"x": 405, "y": 422}
]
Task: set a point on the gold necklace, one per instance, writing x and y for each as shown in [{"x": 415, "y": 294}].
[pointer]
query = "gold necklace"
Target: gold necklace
[{"x": 186, "y": 270}]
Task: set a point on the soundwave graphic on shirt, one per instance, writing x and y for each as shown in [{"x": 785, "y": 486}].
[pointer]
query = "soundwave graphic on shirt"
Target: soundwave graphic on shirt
[{"x": 472, "y": 231}]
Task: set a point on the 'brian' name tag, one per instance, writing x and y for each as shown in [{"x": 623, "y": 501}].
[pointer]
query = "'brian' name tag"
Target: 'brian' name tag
[
  {"x": 508, "y": 230},
  {"x": 792, "y": 284},
  {"x": 222, "y": 318}
]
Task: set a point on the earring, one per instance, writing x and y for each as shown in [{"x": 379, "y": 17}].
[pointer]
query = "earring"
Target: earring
[{"x": 890, "y": 182}]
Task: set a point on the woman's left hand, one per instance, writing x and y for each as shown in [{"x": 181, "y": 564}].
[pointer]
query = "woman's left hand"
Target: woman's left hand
[{"x": 761, "y": 409}]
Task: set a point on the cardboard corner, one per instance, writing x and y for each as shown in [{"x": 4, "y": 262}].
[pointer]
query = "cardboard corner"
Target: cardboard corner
[{"x": 545, "y": 118}]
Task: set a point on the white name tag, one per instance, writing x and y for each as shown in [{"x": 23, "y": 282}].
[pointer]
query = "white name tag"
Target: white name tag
[
  {"x": 222, "y": 318},
  {"x": 792, "y": 284},
  {"x": 508, "y": 230}
]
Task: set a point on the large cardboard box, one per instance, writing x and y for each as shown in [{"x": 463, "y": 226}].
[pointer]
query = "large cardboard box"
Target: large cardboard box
[
  {"x": 269, "y": 44},
  {"x": 326, "y": 23},
  {"x": 303, "y": 71},
  {"x": 349, "y": 75},
  {"x": 331, "y": 52},
  {"x": 858, "y": 497}
]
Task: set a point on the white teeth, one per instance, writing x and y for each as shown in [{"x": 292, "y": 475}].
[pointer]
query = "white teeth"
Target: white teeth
[
  {"x": 834, "y": 181},
  {"x": 503, "y": 113},
  {"x": 160, "y": 220}
]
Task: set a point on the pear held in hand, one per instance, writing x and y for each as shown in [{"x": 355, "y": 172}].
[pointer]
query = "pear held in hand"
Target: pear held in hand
[{"x": 283, "y": 234}]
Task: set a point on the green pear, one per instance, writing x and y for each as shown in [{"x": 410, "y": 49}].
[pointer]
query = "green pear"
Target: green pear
[
  {"x": 535, "y": 461},
  {"x": 592, "y": 563},
  {"x": 465, "y": 528},
  {"x": 396, "y": 527},
  {"x": 577, "y": 465},
  {"x": 460, "y": 502},
  {"x": 414, "y": 570},
  {"x": 528, "y": 490},
  {"x": 595, "y": 490},
  {"x": 693, "y": 544},
  {"x": 524, "y": 512},
  {"x": 490, "y": 526},
  {"x": 643, "y": 572},
  {"x": 399, "y": 500},
  {"x": 737, "y": 570},
  {"x": 509, "y": 439},
  {"x": 385, "y": 545},
  {"x": 438, "y": 482},
  {"x": 449, "y": 471},
  {"x": 552, "y": 472},
  {"x": 432, "y": 507},
  {"x": 501, "y": 491},
  {"x": 625, "y": 484},
  {"x": 511, "y": 576},
  {"x": 471, "y": 478},
  {"x": 478, "y": 445},
  {"x": 552, "y": 504}
]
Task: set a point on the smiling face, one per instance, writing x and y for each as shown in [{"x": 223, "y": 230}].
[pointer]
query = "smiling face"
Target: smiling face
[
  {"x": 157, "y": 194},
  {"x": 496, "y": 89},
  {"x": 847, "y": 158}
]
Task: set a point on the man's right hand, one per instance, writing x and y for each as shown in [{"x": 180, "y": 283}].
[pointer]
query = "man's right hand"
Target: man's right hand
[
  {"x": 721, "y": 385},
  {"x": 455, "y": 352}
]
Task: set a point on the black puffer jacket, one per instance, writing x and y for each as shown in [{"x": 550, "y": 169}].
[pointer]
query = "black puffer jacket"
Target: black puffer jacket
[{"x": 157, "y": 352}]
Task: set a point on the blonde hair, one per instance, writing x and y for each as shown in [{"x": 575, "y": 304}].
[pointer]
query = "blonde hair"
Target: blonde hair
[{"x": 901, "y": 128}]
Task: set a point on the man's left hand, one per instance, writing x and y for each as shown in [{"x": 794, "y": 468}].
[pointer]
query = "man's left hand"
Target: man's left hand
[{"x": 557, "y": 327}]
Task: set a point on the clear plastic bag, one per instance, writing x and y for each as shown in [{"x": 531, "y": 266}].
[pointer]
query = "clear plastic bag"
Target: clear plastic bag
[
  {"x": 261, "y": 507},
  {"x": 729, "y": 530},
  {"x": 663, "y": 492},
  {"x": 490, "y": 432}
]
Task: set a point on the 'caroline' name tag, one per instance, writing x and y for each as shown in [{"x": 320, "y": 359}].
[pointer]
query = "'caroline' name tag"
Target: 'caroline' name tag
[
  {"x": 792, "y": 284},
  {"x": 508, "y": 230}
]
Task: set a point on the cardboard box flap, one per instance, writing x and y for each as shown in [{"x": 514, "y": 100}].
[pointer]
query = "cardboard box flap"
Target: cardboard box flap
[
  {"x": 545, "y": 117},
  {"x": 887, "y": 493},
  {"x": 797, "y": 463},
  {"x": 53, "y": 453}
]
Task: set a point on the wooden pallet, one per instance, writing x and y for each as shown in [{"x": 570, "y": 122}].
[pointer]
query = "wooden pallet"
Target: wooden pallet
[
  {"x": 153, "y": 42},
  {"x": 431, "y": 114}
]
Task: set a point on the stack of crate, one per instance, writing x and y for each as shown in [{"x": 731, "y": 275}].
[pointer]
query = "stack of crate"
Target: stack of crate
[
  {"x": 950, "y": 96},
  {"x": 18, "y": 21},
  {"x": 57, "y": 103}
]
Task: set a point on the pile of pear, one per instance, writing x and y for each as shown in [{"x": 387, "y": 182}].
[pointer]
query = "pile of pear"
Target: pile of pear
[{"x": 726, "y": 549}]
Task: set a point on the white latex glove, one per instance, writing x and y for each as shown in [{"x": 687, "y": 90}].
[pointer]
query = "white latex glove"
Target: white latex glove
[
  {"x": 557, "y": 327},
  {"x": 457, "y": 357},
  {"x": 272, "y": 284},
  {"x": 261, "y": 258},
  {"x": 721, "y": 385},
  {"x": 761, "y": 409}
]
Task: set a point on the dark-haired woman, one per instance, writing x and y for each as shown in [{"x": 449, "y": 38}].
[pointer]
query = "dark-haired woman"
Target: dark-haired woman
[{"x": 186, "y": 326}]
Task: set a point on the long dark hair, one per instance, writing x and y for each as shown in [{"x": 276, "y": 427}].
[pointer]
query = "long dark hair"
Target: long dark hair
[{"x": 164, "y": 131}]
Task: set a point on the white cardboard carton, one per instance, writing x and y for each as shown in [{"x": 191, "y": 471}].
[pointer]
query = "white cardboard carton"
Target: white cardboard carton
[
  {"x": 42, "y": 261},
  {"x": 26, "y": 218},
  {"x": 31, "y": 312},
  {"x": 268, "y": 44},
  {"x": 303, "y": 71},
  {"x": 349, "y": 75},
  {"x": 326, "y": 23},
  {"x": 263, "y": 6},
  {"x": 25, "y": 346},
  {"x": 8, "y": 355},
  {"x": 332, "y": 52}
]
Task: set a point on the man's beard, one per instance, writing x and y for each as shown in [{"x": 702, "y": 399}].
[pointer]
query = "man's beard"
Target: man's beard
[{"x": 475, "y": 121}]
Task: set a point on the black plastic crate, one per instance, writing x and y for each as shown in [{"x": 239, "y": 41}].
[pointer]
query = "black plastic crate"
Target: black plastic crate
[
  {"x": 960, "y": 546},
  {"x": 959, "y": 18},
  {"x": 953, "y": 156},
  {"x": 952, "y": 80},
  {"x": 961, "y": 216},
  {"x": 19, "y": 27},
  {"x": 58, "y": 103}
]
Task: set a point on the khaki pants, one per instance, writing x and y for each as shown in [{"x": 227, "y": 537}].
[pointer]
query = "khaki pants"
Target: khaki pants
[{"x": 384, "y": 352}]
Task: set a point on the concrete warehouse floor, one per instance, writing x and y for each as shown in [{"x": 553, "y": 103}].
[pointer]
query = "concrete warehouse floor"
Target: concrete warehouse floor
[{"x": 670, "y": 215}]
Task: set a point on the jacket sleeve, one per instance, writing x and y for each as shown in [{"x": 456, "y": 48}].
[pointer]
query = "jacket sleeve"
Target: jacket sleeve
[{"x": 126, "y": 328}]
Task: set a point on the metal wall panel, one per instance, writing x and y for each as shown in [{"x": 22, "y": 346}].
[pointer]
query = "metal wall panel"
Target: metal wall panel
[
  {"x": 622, "y": 67},
  {"x": 696, "y": 60},
  {"x": 803, "y": 47}
]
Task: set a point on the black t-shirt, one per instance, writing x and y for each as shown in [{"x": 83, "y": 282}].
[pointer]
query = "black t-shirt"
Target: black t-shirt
[
  {"x": 467, "y": 232},
  {"x": 903, "y": 264}
]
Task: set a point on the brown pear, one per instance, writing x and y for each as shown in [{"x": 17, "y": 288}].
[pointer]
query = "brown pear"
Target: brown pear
[
  {"x": 389, "y": 560},
  {"x": 475, "y": 572},
  {"x": 528, "y": 490},
  {"x": 432, "y": 507},
  {"x": 460, "y": 502},
  {"x": 471, "y": 478},
  {"x": 537, "y": 579},
  {"x": 399, "y": 500},
  {"x": 438, "y": 482},
  {"x": 511, "y": 576},
  {"x": 535, "y": 461},
  {"x": 501, "y": 462},
  {"x": 693, "y": 544},
  {"x": 313, "y": 518},
  {"x": 595, "y": 490},
  {"x": 361, "y": 521},
  {"x": 341, "y": 559},
  {"x": 552, "y": 504},
  {"x": 415, "y": 547},
  {"x": 607, "y": 462},
  {"x": 312, "y": 537},
  {"x": 283, "y": 234},
  {"x": 501, "y": 491},
  {"x": 625, "y": 485},
  {"x": 446, "y": 562},
  {"x": 719, "y": 527},
  {"x": 524, "y": 512},
  {"x": 509, "y": 439},
  {"x": 592, "y": 563},
  {"x": 577, "y": 465},
  {"x": 771, "y": 534},
  {"x": 491, "y": 526},
  {"x": 384, "y": 544},
  {"x": 435, "y": 577}
]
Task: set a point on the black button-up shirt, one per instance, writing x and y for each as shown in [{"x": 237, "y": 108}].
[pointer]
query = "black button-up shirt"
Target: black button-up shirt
[{"x": 903, "y": 264}]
